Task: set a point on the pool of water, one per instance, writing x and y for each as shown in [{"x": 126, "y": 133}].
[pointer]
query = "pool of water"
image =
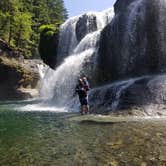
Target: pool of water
[{"x": 36, "y": 138}]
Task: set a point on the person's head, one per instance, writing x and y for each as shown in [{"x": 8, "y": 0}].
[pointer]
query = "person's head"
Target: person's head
[
  {"x": 83, "y": 75},
  {"x": 80, "y": 81},
  {"x": 84, "y": 79}
]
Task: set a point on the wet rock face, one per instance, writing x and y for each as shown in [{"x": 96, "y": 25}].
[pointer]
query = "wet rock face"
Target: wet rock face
[
  {"x": 139, "y": 93},
  {"x": 134, "y": 43},
  {"x": 86, "y": 24},
  {"x": 17, "y": 75},
  {"x": 121, "y": 5},
  {"x": 145, "y": 92}
]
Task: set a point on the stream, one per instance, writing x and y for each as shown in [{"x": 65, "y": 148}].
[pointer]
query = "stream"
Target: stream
[{"x": 41, "y": 138}]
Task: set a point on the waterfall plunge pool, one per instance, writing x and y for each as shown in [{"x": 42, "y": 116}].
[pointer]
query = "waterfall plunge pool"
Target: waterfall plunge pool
[{"x": 68, "y": 139}]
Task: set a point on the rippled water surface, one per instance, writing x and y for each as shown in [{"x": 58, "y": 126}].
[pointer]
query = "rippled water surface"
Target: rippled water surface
[{"x": 65, "y": 139}]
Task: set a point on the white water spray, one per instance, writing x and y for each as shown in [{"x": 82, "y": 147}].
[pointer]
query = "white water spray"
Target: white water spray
[
  {"x": 63, "y": 81},
  {"x": 58, "y": 86}
]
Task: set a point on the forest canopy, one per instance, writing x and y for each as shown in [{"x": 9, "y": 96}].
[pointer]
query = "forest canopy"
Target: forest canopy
[{"x": 20, "y": 21}]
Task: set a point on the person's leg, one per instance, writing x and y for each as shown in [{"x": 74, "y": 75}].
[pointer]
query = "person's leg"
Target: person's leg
[
  {"x": 81, "y": 106},
  {"x": 82, "y": 110},
  {"x": 87, "y": 109},
  {"x": 86, "y": 106}
]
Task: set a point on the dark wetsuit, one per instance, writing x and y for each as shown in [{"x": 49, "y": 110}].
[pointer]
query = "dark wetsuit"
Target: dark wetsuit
[
  {"x": 82, "y": 93},
  {"x": 86, "y": 84}
]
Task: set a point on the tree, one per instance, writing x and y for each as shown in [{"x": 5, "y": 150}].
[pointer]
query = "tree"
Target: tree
[
  {"x": 4, "y": 25},
  {"x": 9, "y": 8},
  {"x": 22, "y": 28},
  {"x": 60, "y": 11},
  {"x": 20, "y": 20}
]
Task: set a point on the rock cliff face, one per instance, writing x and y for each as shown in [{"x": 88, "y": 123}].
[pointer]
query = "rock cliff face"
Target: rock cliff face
[
  {"x": 134, "y": 43},
  {"x": 71, "y": 35},
  {"x": 139, "y": 96},
  {"x": 17, "y": 76},
  {"x": 121, "y": 6},
  {"x": 130, "y": 47},
  {"x": 86, "y": 24}
]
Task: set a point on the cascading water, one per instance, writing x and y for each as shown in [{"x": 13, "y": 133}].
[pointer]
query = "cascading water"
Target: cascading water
[
  {"x": 136, "y": 10},
  {"x": 70, "y": 30},
  {"x": 63, "y": 80},
  {"x": 130, "y": 47},
  {"x": 120, "y": 49},
  {"x": 67, "y": 38},
  {"x": 161, "y": 21},
  {"x": 58, "y": 87},
  {"x": 108, "y": 97},
  {"x": 42, "y": 69}
]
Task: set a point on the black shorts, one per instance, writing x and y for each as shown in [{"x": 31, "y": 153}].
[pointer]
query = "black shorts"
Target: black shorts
[{"x": 84, "y": 101}]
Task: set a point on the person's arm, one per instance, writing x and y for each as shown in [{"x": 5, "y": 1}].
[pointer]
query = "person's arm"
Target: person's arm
[{"x": 87, "y": 87}]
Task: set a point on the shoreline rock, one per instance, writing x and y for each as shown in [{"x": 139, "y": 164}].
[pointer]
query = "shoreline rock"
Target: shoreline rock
[{"x": 19, "y": 77}]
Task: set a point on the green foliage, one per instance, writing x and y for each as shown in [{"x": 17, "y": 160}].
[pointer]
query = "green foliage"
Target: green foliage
[
  {"x": 48, "y": 43},
  {"x": 47, "y": 27},
  {"x": 4, "y": 25},
  {"x": 47, "y": 33},
  {"x": 20, "y": 21},
  {"x": 22, "y": 27}
]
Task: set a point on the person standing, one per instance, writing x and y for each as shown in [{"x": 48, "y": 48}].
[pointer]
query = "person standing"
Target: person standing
[
  {"x": 87, "y": 88},
  {"x": 83, "y": 97}
]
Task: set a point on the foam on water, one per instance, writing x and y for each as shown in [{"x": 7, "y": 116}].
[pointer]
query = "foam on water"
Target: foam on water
[{"x": 41, "y": 107}]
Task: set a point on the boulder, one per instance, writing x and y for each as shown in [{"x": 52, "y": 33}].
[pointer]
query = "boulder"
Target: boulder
[
  {"x": 19, "y": 77},
  {"x": 146, "y": 94},
  {"x": 48, "y": 48}
]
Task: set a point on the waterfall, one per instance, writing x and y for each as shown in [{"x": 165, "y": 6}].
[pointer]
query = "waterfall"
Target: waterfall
[
  {"x": 108, "y": 97},
  {"x": 136, "y": 13},
  {"x": 62, "y": 82},
  {"x": 58, "y": 87},
  {"x": 162, "y": 34},
  {"x": 67, "y": 38},
  {"x": 69, "y": 31},
  {"x": 42, "y": 69},
  {"x": 136, "y": 10},
  {"x": 130, "y": 46}
]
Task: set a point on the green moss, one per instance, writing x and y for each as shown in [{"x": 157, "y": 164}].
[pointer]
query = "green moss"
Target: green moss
[{"x": 48, "y": 44}]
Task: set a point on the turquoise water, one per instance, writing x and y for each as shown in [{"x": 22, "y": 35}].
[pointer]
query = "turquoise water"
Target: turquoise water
[{"x": 66, "y": 139}]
